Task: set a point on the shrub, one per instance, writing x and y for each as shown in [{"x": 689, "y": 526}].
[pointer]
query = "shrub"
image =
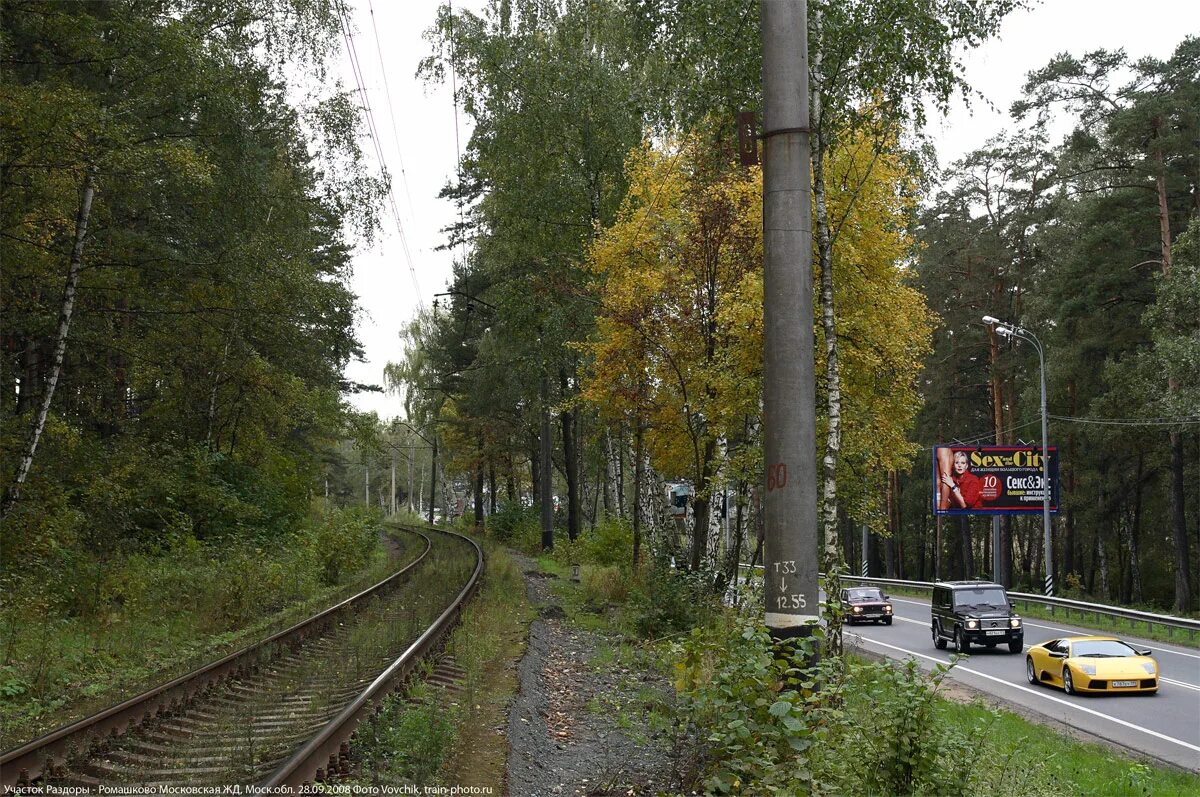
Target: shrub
[
  {"x": 410, "y": 739},
  {"x": 899, "y": 725},
  {"x": 668, "y": 600},
  {"x": 341, "y": 542},
  {"x": 609, "y": 543},
  {"x": 404, "y": 517},
  {"x": 766, "y": 721},
  {"x": 513, "y": 522},
  {"x": 750, "y": 707}
]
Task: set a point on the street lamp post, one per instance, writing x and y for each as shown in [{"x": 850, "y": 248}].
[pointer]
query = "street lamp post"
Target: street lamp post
[{"x": 1009, "y": 330}]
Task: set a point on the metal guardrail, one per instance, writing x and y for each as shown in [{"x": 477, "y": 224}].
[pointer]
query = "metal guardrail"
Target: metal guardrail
[{"x": 1097, "y": 610}]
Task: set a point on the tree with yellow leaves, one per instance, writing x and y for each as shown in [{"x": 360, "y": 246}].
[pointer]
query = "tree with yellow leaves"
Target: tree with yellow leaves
[
  {"x": 677, "y": 351},
  {"x": 884, "y": 327}
]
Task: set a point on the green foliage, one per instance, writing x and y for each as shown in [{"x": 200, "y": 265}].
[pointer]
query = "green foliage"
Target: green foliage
[
  {"x": 666, "y": 600},
  {"x": 908, "y": 742},
  {"x": 604, "y": 585},
  {"x": 341, "y": 544},
  {"x": 412, "y": 738},
  {"x": 514, "y": 524},
  {"x": 751, "y": 707},
  {"x": 122, "y": 617},
  {"x": 609, "y": 543},
  {"x": 1071, "y": 247},
  {"x": 769, "y": 721},
  {"x": 133, "y": 497},
  {"x": 213, "y": 316}
]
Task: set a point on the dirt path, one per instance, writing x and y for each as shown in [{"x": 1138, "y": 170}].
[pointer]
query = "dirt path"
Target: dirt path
[{"x": 576, "y": 728}]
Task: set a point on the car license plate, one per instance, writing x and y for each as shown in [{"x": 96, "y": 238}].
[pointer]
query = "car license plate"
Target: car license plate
[
  {"x": 1124, "y": 683},
  {"x": 995, "y": 633}
]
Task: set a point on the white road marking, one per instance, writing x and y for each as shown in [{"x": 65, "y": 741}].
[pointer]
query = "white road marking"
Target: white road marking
[
  {"x": 1172, "y": 651},
  {"x": 1058, "y": 629},
  {"x": 914, "y": 603},
  {"x": 1180, "y": 683},
  {"x": 1184, "y": 684},
  {"x": 1041, "y": 695}
]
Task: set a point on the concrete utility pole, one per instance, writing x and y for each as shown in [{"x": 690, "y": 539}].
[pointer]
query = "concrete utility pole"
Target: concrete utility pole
[
  {"x": 789, "y": 397},
  {"x": 433, "y": 479}
]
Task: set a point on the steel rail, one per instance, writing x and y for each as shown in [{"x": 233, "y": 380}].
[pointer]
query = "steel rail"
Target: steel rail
[
  {"x": 1151, "y": 619},
  {"x": 47, "y": 754},
  {"x": 328, "y": 753}
]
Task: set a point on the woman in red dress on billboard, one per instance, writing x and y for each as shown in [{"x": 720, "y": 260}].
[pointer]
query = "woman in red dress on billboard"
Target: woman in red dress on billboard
[{"x": 965, "y": 488}]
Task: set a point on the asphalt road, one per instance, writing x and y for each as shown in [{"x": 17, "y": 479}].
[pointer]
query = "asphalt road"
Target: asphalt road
[{"x": 1165, "y": 726}]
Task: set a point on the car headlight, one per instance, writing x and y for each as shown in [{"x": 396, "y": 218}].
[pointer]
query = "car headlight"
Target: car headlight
[
  {"x": 858, "y": 610},
  {"x": 1014, "y": 622},
  {"x": 972, "y": 623},
  {"x": 1090, "y": 669},
  {"x": 1149, "y": 668},
  {"x": 888, "y": 608}
]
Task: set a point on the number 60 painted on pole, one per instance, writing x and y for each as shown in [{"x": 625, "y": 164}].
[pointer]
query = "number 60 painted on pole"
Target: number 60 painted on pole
[{"x": 776, "y": 475}]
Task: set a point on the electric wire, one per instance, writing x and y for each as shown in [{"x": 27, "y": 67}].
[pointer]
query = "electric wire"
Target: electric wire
[
  {"x": 1183, "y": 420},
  {"x": 373, "y": 134},
  {"x": 982, "y": 438},
  {"x": 376, "y": 140},
  {"x": 391, "y": 113},
  {"x": 457, "y": 146}
]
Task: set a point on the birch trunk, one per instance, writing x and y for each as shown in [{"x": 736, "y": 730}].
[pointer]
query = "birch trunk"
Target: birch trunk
[
  {"x": 570, "y": 462},
  {"x": 60, "y": 344},
  {"x": 833, "y": 562},
  {"x": 610, "y": 476},
  {"x": 638, "y": 474}
]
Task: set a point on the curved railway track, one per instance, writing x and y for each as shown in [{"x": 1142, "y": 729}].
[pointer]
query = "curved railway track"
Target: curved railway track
[{"x": 279, "y": 712}]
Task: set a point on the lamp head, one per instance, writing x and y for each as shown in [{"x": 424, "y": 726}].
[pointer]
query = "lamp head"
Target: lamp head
[
  {"x": 987, "y": 319},
  {"x": 1005, "y": 331}
]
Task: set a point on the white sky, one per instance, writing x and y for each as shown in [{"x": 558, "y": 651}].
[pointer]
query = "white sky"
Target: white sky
[{"x": 425, "y": 130}]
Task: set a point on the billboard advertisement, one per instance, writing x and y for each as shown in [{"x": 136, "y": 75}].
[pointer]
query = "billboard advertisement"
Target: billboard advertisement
[{"x": 992, "y": 480}]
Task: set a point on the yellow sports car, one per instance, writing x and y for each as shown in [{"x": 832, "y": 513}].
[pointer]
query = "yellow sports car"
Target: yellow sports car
[{"x": 1092, "y": 664}]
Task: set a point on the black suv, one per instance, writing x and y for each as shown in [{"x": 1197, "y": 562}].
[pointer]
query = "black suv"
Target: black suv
[{"x": 974, "y": 612}]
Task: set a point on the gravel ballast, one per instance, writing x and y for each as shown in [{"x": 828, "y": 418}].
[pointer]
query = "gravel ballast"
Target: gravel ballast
[{"x": 566, "y": 732}]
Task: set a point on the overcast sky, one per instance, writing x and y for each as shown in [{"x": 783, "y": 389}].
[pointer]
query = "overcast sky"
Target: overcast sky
[{"x": 423, "y": 140}]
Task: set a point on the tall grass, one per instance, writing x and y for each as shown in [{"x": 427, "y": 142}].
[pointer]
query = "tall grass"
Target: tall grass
[
  {"x": 133, "y": 621},
  {"x": 428, "y": 737}
]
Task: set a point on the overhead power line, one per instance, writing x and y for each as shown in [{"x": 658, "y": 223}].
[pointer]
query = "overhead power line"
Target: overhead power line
[
  {"x": 982, "y": 438},
  {"x": 373, "y": 134},
  {"x": 457, "y": 145},
  {"x": 412, "y": 214},
  {"x": 1184, "y": 420}
]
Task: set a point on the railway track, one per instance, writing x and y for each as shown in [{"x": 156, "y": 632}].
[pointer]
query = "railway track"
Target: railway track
[{"x": 279, "y": 712}]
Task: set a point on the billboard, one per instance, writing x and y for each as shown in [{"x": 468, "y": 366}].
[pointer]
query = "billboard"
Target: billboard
[{"x": 992, "y": 480}]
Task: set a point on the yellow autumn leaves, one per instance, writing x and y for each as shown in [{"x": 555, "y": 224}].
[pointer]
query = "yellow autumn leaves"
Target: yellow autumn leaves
[{"x": 678, "y": 342}]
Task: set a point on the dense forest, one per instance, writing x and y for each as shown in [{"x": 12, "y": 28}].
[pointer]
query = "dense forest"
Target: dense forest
[
  {"x": 176, "y": 222},
  {"x": 180, "y": 195},
  {"x": 608, "y": 312}
]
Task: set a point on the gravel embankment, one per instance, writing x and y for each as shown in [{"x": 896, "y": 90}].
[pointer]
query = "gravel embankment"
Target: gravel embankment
[{"x": 574, "y": 728}]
